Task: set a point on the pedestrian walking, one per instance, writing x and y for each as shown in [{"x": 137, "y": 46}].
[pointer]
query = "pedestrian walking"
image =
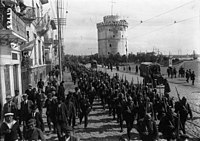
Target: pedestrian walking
[
  {"x": 40, "y": 84},
  {"x": 192, "y": 77},
  {"x": 25, "y": 109},
  {"x": 62, "y": 118},
  {"x": 37, "y": 116},
  {"x": 17, "y": 99},
  {"x": 40, "y": 99},
  {"x": 49, "y": 110},
  {"x": 31, "y": 93},
  {"x": 33, "y": 133}
]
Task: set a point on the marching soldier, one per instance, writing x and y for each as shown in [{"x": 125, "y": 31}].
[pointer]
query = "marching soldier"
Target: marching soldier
[
  {"x": 129, "y": 115},
  {"x": 147, "y": 128},
  {"x": 84, "y": 109},
  {"x": 168, "y": 126},
  {"x": 184, "y": 110}
]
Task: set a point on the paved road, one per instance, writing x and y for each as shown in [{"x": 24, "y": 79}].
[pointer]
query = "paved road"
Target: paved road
[{"x": 101, "y": 127}]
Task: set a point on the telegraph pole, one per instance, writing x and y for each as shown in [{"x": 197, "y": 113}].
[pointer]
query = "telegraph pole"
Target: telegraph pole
[{"x": 59, "y": 42}]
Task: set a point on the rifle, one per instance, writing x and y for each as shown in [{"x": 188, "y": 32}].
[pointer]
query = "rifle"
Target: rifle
[
  {"x": 178, "y": 94},
  {"x": 178, "y": 128}
]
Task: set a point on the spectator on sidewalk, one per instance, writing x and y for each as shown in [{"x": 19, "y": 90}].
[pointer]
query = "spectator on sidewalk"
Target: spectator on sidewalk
[
  {"x": 10, "y": 128},
  {"x": 40, "y": 84},
  {"x": 40, "y": 98},
  {"x": 25, "y": 109},
  {"x": 33, "y": 133},
  {"x": 61, "y": 91},
  {"x": 17, "y": 100},
  {"x": 38, "y": 117},
  {"x": 49, "y": 110},
  {"x": 9, "y": 106}
]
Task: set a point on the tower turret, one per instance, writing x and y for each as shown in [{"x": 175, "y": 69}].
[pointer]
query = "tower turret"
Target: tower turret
[{"x": 112, "y": 36}]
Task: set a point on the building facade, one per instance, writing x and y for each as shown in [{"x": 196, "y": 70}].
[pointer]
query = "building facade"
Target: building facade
[
  {"x": 23, "y": 27},
  {"x": 12, "y": 35},
  {"x": 112, "y": 36}
]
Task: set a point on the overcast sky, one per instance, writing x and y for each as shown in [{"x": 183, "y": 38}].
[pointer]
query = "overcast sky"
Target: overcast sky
[{"x": 170, "y": 26}]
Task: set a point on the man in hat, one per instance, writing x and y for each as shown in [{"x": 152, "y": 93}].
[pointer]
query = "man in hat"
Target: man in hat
[
  {"x": 9, "y": 106},
  {"x": 61, "y": 91},
  {"x": 49, "y": 110},
  {"x": 33, "y": 133},
  {"x": 62, "y": 118},
  {"x": 40, "y": 98},
  {"x": 10, "y": 128},
  {"x": 30, "y": 93},
  {"x": 25, "y": 108},
  {"x": 68, "y": 135},
  {"x": 37, "y": 116},
  {"x": 40, "y": 84},
  {"x": 17, "y": 100}
]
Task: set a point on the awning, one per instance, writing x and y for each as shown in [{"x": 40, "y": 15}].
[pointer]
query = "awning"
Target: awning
[{"x": 28, "y": 46}]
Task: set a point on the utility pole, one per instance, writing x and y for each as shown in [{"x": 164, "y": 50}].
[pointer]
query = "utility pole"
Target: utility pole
[{"x": 59, "y": 42}]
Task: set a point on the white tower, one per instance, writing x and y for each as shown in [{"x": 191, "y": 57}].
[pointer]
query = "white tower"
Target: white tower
[{"x": 112, "y": 36}]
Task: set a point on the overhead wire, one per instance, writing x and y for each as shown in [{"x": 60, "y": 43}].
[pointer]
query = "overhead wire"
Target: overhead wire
[
  {"x": 168, "y": 11},
  {"x": 175, "y": 22}
]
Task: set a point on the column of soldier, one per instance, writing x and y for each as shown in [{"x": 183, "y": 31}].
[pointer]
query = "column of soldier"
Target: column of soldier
[
  {"x": 153, "y": 112},
  {"x": 125, "y": 101}
]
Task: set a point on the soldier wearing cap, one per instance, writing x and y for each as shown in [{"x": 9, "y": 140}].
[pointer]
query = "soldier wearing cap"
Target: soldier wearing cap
[
  {"x": 147, "y": 128},
  {"x": 10, "y": 128},
  {"x": 9, "y": 106}
]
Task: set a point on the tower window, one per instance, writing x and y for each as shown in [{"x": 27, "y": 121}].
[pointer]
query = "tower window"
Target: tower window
[
  {"x": 113, "y": 36},
  {"x": 122, "y": 36},
  {"x": 110, "y": 45}
]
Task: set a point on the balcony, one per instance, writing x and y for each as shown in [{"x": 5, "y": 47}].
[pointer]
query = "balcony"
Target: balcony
[
  {"x": 12, "y": 28},
  {"x": 42, "y": 24},
  {"x": 48, "y": 41}
]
